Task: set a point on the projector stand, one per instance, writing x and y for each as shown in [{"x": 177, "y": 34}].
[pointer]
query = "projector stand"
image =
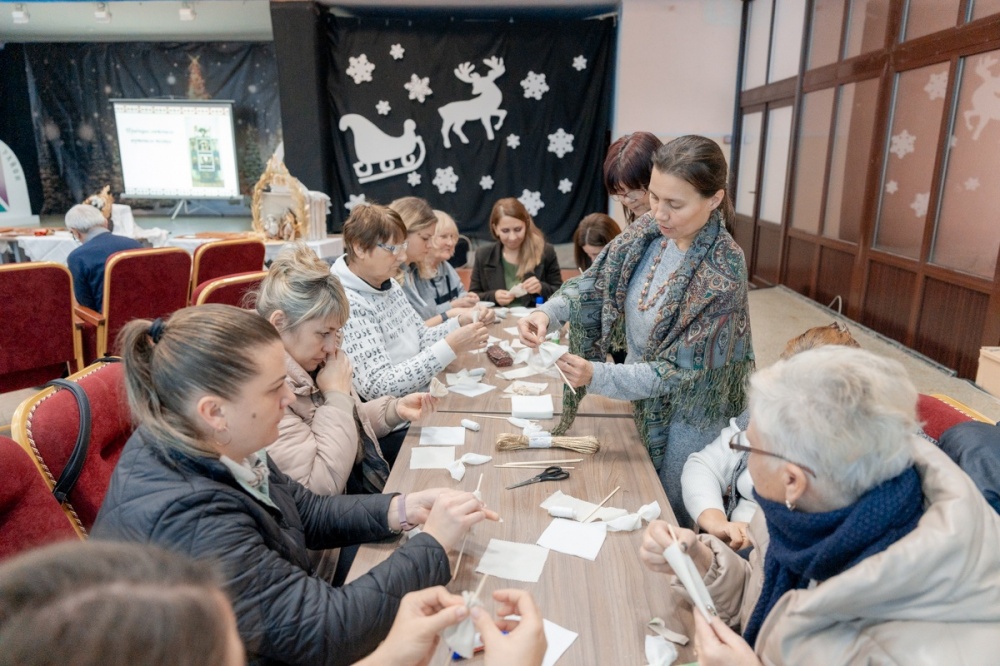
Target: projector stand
[{"x": 189, "y": 207}]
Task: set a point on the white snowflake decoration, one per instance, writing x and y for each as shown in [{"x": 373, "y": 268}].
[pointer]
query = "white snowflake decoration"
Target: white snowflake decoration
[
  {"x": 579, "y": 63},
  {"x": 419, "y": 88},
  {"x": 513, "y": 141},
  {"x": 397, "y": 51},
  {"x": 892, "y": 187},
  {"x": 383, "y": 107},
  {"x": 413, "y": 179},
  {"x": 532, "y": 201},
  {"x": 936, "y": 86},
  {"x": 920, "y": 202},
  {"x": 534, "y": 85},
  {"x": 171, "y": 79},
  {"x": 902, "y": 144},
  {"x": 953, "y": 141},
  {"x": 565, "y": 185},
  {"x": 446, "y": 180},
  {"x": 972, "y": 184},
  {"x": 251, "y": 89},
  {"x": 355, "y": 200},
  {"x": 360, "y": 69},
  {"x": 486, "y": 182},
  {"x": 560, "y": 143}
]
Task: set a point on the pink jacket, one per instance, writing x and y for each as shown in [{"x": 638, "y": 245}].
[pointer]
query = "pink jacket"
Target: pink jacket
[{"x": 318, "y": 442}]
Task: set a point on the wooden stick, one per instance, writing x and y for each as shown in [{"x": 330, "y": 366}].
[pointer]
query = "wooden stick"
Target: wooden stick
[
  {"x": 594, "y": 512},
  {"x": 540, "y": 462},
  {"x": 461, "y": 552},
  {"x": 480, "y": 484},
  {"x": 559, "y": 370},
  {"x": 482, "y": 582},
  {"x": 530, "y": 467},
  {"x": 490, "y": 416}
]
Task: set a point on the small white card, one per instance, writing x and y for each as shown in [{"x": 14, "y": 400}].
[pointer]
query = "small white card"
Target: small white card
[
  {"x": 515, "y": 561},
  {"x": 432, "y": 457},
  {"x": 573, "y": 538},
  {"x": 442, "y": 436}
]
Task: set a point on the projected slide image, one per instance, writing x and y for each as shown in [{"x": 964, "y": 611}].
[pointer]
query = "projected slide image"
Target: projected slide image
[{"x": 206, "y": 167}]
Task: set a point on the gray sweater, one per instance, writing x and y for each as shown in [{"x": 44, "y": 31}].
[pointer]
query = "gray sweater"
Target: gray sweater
[{"x": 432, "y": 296}]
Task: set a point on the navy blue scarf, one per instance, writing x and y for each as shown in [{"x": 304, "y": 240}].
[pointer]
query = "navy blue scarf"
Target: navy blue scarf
[{"x": 817, "y": 546}]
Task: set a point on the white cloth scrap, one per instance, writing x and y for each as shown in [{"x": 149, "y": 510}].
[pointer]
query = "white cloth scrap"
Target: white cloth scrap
[
  {"x": 518, "y": 290},
  {"x": 465, "y": 377},
  {"x": 659, "y": 652},
  {"x": 442, "y": 436},
  {"x": 574, "y": 538},
  {"x": 514, "y": 561},
  {"x": 543, "y": 357},
  {"x": 559, "y": 639},
  {"x": 581, "y": 508},
  {"x": 633, "y": 521},
  {"x": 461, "y": 637},
  {"x": 519, "y": 311},
  {"x": 432, "y": 457},
  {"x": 518, "y": 373},
  {"x": 511, "y": 330},
  {"x": 532, "y": 406},
  {"x": 438, "y": 389},
  {"x": 659, "y": 626},
  {"x": 471, "y": 390},
  {"x": 526, "y": 388},
  {"x": 457, "y": 468},
  {"x": 501, "y": 313}
]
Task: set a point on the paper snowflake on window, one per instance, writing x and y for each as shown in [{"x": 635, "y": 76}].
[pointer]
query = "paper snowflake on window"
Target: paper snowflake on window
[
  {"x": 360, "y": 69},
  {"x": 919, "y": 204},
  {"x": 413, "y": 179},
  {"x": 579, "y": 63},
  {"x": 486, "y": 182},
  {"x": 419, "y": 88},
  {"x": 397, "y": 51},
  {"x": 937, "y": 84},
  {"x": 953, "y": 142},
  {"x": 532, "y": 201},
  {"x": 446, "y": 180},
  {"x": 972, "y": 184},
  {"x": 892, "y": 187},
  {"x": 902, "y": 144},
  {"x": 560, "y": 143},
  {"x": 355, "y": 200},
  {"x": 383, "y": 108},
  {"x": 534, "y": 85},
  {"x": 513, "y": 141},
  {"x": 565, "y": 185}
]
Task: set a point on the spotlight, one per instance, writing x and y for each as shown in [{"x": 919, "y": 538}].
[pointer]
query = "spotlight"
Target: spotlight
[
  {"x": 20, "y": 14},
  {"x": 187, "y": 11},
  {"x": 102, "y": 14}
]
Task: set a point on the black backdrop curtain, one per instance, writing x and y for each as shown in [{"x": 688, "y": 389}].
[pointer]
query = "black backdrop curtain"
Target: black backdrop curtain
[
  {"x": 396, "y": 86},
  {"x": 70, "y": 85}
]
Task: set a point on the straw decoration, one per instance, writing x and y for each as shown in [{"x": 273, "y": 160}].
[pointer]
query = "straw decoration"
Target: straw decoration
[{"x": 512, "y": 442}]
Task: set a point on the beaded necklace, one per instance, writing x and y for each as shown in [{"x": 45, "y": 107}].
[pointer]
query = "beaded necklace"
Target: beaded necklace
[{"x": 645, "y": 304}]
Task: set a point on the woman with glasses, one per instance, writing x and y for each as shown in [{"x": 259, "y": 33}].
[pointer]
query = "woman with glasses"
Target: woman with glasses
[
  {"x": 871, "y": 545},
  {"x": 393, "y": 352},
  {"x": 627, "y": 169},
  {"x": 718, "y": 490},
  {"x": 520, "y": 266},
  {"x": 671, "y": 290}
]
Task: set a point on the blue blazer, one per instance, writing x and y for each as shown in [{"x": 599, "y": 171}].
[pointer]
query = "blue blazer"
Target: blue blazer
[{"x": 86, "y": 264}]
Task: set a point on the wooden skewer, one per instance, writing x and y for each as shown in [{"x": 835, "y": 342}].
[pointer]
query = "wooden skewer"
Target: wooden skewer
[
  {"x": 489, "y": 416},
  {"x": 540, "y": 462},
  {"x": 480, "y": 484},
  {"x": 594, "y": 512},
  {"x": 559, "y": 370},
  {"x": 461, "y": 552},
  {"x": 529, "y": 467},
  {"x": 482, "y": 582}
]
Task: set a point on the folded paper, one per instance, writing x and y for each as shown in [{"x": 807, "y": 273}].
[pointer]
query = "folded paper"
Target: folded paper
[
  {"x": 574, "y": 538},
  {"x": 514, "y": 561},
  {"x": 442, "y": 436},
  {"x": 471, "y": 390}
]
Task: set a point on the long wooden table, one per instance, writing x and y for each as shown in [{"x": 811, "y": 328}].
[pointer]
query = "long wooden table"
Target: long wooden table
[{"x": 607, "y": 602}]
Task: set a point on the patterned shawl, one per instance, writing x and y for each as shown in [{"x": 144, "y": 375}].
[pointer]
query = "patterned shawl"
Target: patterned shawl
[{"x": 700, "y": 345}]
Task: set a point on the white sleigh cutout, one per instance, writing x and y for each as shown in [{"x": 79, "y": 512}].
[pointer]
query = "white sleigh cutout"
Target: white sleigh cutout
[{"x": 376, "y": 148}]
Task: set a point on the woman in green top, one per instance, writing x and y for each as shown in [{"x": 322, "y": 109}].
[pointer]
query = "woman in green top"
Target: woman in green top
[{"x": 520, "y": 262}]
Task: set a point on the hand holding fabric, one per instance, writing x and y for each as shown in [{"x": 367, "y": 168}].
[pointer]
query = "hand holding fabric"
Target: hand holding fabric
[
  {"x": 503, "y": 297},
  {"x": 531, "y": 329},
  {"x": 717, "y": 644},
  {"x": 451, "y": 514},
  {"x": 532, "y": 285},
  {"x": 578, "y": 371},
  {"x": 416, "y": 406},
  {"x": 422, "y": 616},
  {"x": 525, "y": 643},
  {"x": 657, "y": 539}
]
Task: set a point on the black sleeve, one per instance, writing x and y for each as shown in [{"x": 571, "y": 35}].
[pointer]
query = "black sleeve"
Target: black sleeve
[
  {"x": 549, "y": 273},
  {"x": 479, "y": 281}
]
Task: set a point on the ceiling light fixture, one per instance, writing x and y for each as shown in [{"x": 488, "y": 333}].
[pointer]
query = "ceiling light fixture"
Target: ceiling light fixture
[
  {"x": 102, "y": 14},
  {"x": 187, "y": 11},
  {"x": 20, "y": 14}
]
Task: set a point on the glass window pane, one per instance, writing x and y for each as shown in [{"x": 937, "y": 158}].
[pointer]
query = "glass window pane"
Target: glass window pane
[
  {"x": 824, "y": 43},
  {"x": 981, "y": 8},
  {"x": 779, "y": 134},
  {"x": 810, "y": 160},
  {"x": 909, "y": 159},
  {"x": 758, "y": 38},
  {"x": 852, "y": 140},
  {"x": 746, "y": 185},
  {"x": 926, "y": 16},
  {"x": 786, "y": 39},
  {"x": 866, "y": 26},
  {"x": 968, "y": 236}
]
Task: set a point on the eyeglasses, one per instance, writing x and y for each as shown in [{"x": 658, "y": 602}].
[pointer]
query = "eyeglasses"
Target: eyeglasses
[
  {"x": 736, "y": 444},
  {"x": 394, "y": 250},
  {"x": 629, "y": 197}
]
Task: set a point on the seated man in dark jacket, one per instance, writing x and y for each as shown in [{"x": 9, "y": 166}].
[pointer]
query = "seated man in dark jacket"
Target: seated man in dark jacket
[{"x": 86, "y": 263}]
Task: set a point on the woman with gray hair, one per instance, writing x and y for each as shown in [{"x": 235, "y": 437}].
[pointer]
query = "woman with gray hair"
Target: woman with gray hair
[{"x": 869, "y": 542}]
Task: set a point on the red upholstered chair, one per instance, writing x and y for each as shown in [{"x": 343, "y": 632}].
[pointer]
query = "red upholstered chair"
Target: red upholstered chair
[
  {"x": 465, "y": 275},
  {"x": 227, "y": 290},
  {"x": 47, "y": 424},
  {"x": 940, "y": 412},
  {"x": 29, "y": 515},
  {"x": 38, "y": 338},
  {"x": 568, "y": 273},
  {"x": 225, "y": 257},
  {"x": 138, "y": 284}
]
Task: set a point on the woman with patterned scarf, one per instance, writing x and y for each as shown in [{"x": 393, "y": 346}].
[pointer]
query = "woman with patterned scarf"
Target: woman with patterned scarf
[{"x": 672, "y": 291}]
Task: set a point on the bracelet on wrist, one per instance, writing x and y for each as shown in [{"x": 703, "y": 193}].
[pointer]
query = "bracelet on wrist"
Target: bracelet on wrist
[{"x": 403, "y": 523}]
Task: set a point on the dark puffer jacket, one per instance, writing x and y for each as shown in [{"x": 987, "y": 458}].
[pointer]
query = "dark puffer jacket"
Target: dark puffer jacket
[{"x": 285, "y": 615}]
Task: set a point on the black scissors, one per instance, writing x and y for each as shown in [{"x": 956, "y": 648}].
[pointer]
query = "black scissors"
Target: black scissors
[{"x": 553, "y": 473}]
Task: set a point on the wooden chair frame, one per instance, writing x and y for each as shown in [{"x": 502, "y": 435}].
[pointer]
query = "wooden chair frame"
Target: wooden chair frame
[
  {"x": 200, "y": 251},
  {"x": 220, "y": 283}
]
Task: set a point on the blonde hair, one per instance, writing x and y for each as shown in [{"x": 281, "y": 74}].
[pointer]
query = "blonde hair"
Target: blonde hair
[
  {"x": 530, "y": 253},
  {"x": 301, "y": 285},
  {"x": 834, "y": 334},
  {"x": 415, "y": 212},
  {"x": 428, "y": 268}
]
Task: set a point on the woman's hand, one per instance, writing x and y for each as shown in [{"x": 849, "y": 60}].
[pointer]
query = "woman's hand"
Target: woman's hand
[
  {"x": 732, "y": 534},
  {"x": 336, "y": 373},
  {"x": 467, "y": 300},
  {"x": 465, "y": 316},
  {"x": 415, "y": 406},
  {"x": 657, "y": 539},
  {"x": 578, "y": 371},
  {"x": 525, "y": 643},
  {"x": 467, "y": 338},
  {"x": 449, "y": 516},
  {"x": 531, "y": 329},
  {"x": 532, "y": 285},
  {"x": 503, "y": 297},
  {"x": 421, "y": 617},
  {"x": 487, "y": 316},
  {"x": 717, "y": 644}
]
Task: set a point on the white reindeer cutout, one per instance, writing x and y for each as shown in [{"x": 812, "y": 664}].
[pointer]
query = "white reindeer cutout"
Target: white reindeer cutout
[
  {"x": 483, "y": 107},
  {"x": 985, "y": 98}
]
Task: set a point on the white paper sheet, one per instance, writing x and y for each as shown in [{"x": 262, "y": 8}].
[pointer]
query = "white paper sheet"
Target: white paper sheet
[
  {"x": 559, "y": 640},
  {"x": 471, "y": 390},
  {"x": 532, "y": 406},
  {"x": 465, "y": 377},
  {"x": 492, "y": 340},
  {"x": 574, "y": 538},
  {"x": 442, "y": 436},
  {"x": 519, "y": 311},
  {"x": 511, "y": 330},
  {"x": 432, "y": 457},
  {"x": 519, "y": 373},
  {"x": 513, "y": 561}
]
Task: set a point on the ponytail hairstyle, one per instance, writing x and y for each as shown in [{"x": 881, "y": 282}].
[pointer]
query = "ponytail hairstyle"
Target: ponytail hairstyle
[
  {"x": 207, "y": 349},
  {"x": 530, "y": 254},
  {"x": 699, "y": 162},
  {"x": 301, "y": 285}
]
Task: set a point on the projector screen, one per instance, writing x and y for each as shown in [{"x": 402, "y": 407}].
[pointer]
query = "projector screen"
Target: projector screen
[{"x": 177, "y": 149}]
